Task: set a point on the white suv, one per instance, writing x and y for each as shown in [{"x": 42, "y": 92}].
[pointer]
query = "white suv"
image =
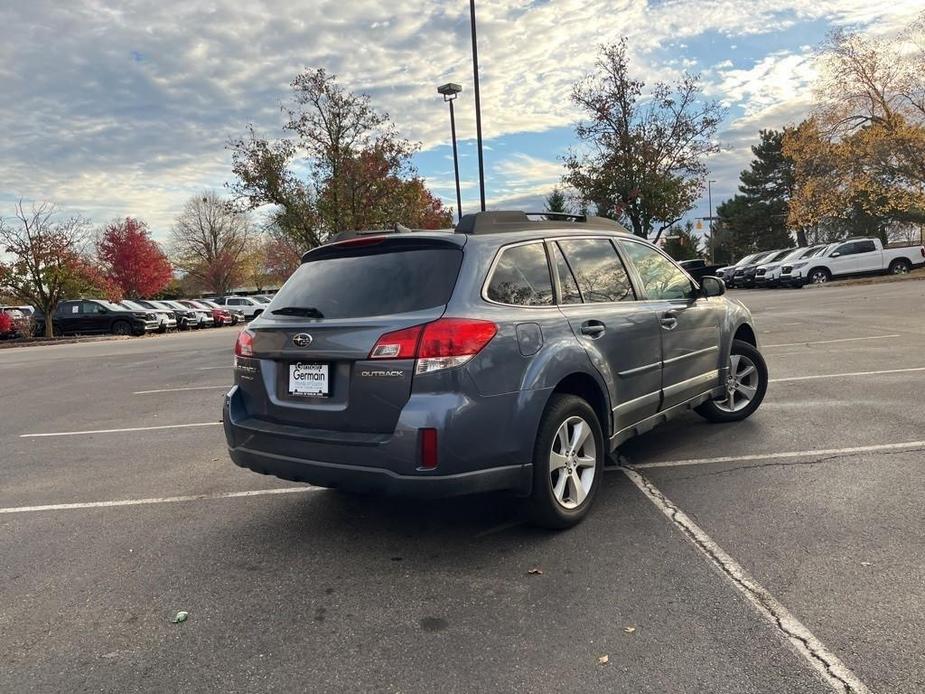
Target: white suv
[{"x": 250, "y": 307}]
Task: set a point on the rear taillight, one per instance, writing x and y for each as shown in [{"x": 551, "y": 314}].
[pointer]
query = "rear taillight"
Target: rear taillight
[
  {"x": 923, "y": 251},
  {"x": 244, "y": 347},
  {"x": 443, "y": 344}
]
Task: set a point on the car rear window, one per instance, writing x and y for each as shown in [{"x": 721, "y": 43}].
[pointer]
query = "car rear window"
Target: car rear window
[{"x": 372, "y": 282}]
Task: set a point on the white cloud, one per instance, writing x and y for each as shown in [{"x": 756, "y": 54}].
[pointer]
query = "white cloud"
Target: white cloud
[{"x": 116, "y": 108}]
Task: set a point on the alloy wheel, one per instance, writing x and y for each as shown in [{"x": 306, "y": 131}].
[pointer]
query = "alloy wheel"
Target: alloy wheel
[
  {"x": 572, "y": 462},
  {"x": 741, "y": 384}
]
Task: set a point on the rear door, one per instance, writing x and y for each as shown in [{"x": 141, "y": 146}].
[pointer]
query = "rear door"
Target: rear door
[
  {"x": 311, "y": 365},
  {"x": 689, "y": 324},
  {"x": 620, "y": 335},
  {"x": 67, "y": 317}
]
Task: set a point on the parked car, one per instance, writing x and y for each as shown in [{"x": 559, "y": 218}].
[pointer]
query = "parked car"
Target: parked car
[
  {"x": 13, "y": 323},
  {"x": 727, "y": 273},
  {"x": 219, "y": 315},
  {"x": 510, "y": 354},
  {"x": 166, "y": 318},
  {"x": 235, "y": 315},
  {"x": 249, "y": 306},
  {"x": 698, "y": 268},
  {"x": 196, "y": 317},
  {"x": 744, "y": 276},
  {"x": 865, "y": 256},
  {"x": 186, "y": 318},
  {"x": 768, "y": 274},
  {"x": 89, "y": 316},
  {"x": 262, "y": 298}
]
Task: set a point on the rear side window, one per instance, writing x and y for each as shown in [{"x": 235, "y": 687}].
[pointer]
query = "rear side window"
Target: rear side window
[
  {"x": 598, "y": 269},
  {"x": 373, "y": 283},
  {"x": 865, "y": 247},
  {"x": 521, "y": 277}
]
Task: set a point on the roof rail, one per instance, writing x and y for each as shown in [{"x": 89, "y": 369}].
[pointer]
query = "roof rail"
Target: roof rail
[{"x": 515, "y": 220}]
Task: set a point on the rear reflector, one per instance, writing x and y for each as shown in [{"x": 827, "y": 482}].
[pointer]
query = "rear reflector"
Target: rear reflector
[
  {"x": 445, "y": 343},
  {"x": 428, "y": 448},
  {"x": 244, "y": 347}
]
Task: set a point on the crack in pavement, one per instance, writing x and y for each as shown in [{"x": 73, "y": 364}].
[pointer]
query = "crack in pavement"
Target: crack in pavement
[
  {"x": 793, "y": 463},
  {"x": 835, "y": 673}
]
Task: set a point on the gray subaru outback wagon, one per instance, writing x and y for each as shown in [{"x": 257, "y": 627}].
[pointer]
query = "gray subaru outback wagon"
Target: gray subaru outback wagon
[{"x": 515, "y": 352}]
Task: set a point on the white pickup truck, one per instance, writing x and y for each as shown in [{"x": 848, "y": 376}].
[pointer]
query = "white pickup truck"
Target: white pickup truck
[{"x": 852, "y": 257}]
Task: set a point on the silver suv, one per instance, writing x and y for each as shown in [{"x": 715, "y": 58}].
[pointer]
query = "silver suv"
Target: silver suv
[{"x": 510, "y": 353}]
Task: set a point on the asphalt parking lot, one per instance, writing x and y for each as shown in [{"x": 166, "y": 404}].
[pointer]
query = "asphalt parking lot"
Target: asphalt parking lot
[{"x": 782, "y": 554}]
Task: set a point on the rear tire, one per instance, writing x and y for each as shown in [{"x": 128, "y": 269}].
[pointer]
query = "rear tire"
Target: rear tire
[
  {"x": 568, "y": 462},
  {"x": 746, "y": 385},
  {"x": 121, "y": 327},
  {"x": 900, "y": 267}
]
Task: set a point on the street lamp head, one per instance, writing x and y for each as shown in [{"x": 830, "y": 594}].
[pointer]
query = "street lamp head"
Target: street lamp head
[{"x": 449, "y": 90}]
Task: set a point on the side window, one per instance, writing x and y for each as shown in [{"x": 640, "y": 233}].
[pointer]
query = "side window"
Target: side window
[
  {"x": 567, "y": 284},
  {"x": 234, "y": 302},
  {"x": 89, "y": 307},
  {"x": 598, "y": 269},
  {"x": 865, "y": 246},
  {"x": 661, "y": 278},
  {"x": 521, "y": 277},
  {"x": 849, "y": 248},
  {"x": 69, "y": 308}
]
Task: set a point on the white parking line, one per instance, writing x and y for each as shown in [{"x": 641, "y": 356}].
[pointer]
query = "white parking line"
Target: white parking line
[
  {"x": 118, "y": 431},
  {"x": 835, "y": 673},
  {"x": 830, "y": 342},
  {"x": 157, "y": 500},
  {"x": 846, "y": 375},
  {"x": 226, "y": 386},
  {"x": 909, "y": 445},
  {"x": 210, "y": 368}
]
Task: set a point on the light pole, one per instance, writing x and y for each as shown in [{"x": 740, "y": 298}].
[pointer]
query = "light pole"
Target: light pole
[
  {"x": 450, "y": 91},
  {"x": 712, "y": 235},
  {"x": 478, "y": 103}
]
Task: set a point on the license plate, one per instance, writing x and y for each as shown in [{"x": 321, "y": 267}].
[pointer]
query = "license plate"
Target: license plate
[{"x": 310, "y": 380}]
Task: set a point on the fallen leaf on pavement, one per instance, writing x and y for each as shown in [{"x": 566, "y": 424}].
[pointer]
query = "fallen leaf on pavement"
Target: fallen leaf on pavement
[
  {"x": 603, "y": 660},
  {"x": 865, "y": 563},
  {"x": 180, "y": 617},
  {"x": 629, "y": 630},
  {"x": 535, "y": 572}
]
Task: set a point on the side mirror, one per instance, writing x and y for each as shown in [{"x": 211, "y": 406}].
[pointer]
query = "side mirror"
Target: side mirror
[
  {"x": 712, "y": 286},
  {"x": 835, "y": 255}
]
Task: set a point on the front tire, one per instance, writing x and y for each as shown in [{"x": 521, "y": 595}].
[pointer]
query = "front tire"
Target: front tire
[
  {"x": 746, "y": 385},
  {"x": 568, "y": 461},
  {"x": 819, "y": 275}
]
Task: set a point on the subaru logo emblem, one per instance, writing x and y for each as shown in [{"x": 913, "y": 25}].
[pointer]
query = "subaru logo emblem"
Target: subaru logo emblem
[{"x": 302, "y": 340}]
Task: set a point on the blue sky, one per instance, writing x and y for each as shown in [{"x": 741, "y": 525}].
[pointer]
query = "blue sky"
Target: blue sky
[{"x": 124, "y": 108}]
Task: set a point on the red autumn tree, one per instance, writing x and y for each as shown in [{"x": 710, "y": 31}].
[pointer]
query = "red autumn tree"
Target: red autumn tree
[{"x": 132, "y": 260}]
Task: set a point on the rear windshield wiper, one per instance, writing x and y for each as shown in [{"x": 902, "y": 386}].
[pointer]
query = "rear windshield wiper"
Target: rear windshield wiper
[{"x": 307, "y": 311}]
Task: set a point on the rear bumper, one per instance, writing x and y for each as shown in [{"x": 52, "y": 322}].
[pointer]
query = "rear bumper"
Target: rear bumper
[
  {"x": 368, "y": 479},
  {"x": 385, "y": 463}
]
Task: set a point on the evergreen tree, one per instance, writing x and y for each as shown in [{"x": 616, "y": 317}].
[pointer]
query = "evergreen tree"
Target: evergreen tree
[{"x": 556, "y": 202}]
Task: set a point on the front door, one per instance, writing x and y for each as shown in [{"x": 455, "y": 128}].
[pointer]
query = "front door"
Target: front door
[
  {"x": 868, "y": 258},
  {"x": 689, "y": 324},
  {"x": 844, "y": 259},
  {"x": 620, "y": 336}
]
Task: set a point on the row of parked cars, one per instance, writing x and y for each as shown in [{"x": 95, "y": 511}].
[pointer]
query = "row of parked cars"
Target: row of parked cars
[
  {"x": 138, "y": 316},
  {"x": 796, "y": 267}
]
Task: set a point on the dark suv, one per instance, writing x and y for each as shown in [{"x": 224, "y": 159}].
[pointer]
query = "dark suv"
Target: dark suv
[
  {"x": 85, "y": 316},
  {"x": 505, "y": 354}
]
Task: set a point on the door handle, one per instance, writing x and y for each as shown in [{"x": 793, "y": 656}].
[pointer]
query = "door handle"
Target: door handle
[
  {"x": 593, "y": 329},
  {"x": 669, "y": 320}
]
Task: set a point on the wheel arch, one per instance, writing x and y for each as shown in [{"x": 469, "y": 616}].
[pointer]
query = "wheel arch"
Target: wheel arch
[
  {"x": 589, "y": 389},
  {"x": 746, "y": 333}
]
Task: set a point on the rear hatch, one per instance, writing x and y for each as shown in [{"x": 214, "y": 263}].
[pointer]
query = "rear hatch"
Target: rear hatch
[{"x": 310, "y": 366}]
